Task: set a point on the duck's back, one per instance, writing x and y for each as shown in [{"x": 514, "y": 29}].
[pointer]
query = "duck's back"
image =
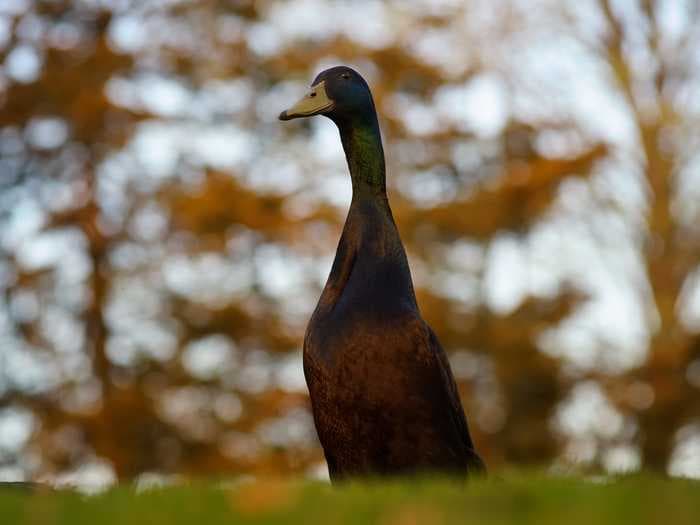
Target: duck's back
[{"x": 383, "y": 395}]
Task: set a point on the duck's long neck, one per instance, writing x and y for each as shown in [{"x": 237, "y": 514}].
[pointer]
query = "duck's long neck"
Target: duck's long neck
[
  {"x": 370, "y": 243},
  {"x": 362, "y": 143}
]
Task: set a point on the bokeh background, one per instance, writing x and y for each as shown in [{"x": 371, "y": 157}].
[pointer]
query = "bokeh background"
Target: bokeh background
[{"x": 163, "y": 238}]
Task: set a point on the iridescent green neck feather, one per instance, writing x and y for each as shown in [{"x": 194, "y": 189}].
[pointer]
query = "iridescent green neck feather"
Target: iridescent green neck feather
[{"x": 362, "y": 143}]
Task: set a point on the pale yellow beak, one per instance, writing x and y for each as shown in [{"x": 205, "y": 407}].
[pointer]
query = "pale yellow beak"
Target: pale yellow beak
[{"x": 314, "y": 102}]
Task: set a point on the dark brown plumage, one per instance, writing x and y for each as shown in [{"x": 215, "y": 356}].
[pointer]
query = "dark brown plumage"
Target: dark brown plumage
[{"x": 383, "y": 396}]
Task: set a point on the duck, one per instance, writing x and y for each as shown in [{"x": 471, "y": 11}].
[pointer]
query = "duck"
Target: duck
[{"x": 383, "y": 396}]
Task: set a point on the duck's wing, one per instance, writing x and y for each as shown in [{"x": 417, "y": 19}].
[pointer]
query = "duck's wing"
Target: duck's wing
[{"x": 450, "y": 396}]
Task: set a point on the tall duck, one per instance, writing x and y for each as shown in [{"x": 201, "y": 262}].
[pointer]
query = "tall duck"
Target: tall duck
[{"x": 382, "y": 392}]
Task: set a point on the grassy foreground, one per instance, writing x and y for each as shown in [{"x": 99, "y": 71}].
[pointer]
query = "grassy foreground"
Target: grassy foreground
[{"x": 531, "y": 499}]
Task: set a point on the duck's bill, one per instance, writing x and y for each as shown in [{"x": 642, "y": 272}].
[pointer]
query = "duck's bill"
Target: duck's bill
[{"x": 316, "y": 101}]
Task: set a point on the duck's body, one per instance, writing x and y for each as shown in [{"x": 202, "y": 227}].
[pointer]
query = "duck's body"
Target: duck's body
[{"x": 383, "y": 396}]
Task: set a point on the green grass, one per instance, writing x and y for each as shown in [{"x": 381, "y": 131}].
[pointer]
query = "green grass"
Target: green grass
[{"x": 515, "y": 498}]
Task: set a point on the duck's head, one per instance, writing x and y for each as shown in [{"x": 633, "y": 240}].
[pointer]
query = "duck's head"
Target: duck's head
[{"x": 339, "y": 93}]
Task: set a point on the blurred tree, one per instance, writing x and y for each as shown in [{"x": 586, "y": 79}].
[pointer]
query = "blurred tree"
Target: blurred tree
[
  {"x": 164, "y": 240},
  {"x": 671, "y": 243}
]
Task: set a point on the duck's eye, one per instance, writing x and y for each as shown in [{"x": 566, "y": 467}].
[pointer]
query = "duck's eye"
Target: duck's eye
[{"x": 345, "y": 76}]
